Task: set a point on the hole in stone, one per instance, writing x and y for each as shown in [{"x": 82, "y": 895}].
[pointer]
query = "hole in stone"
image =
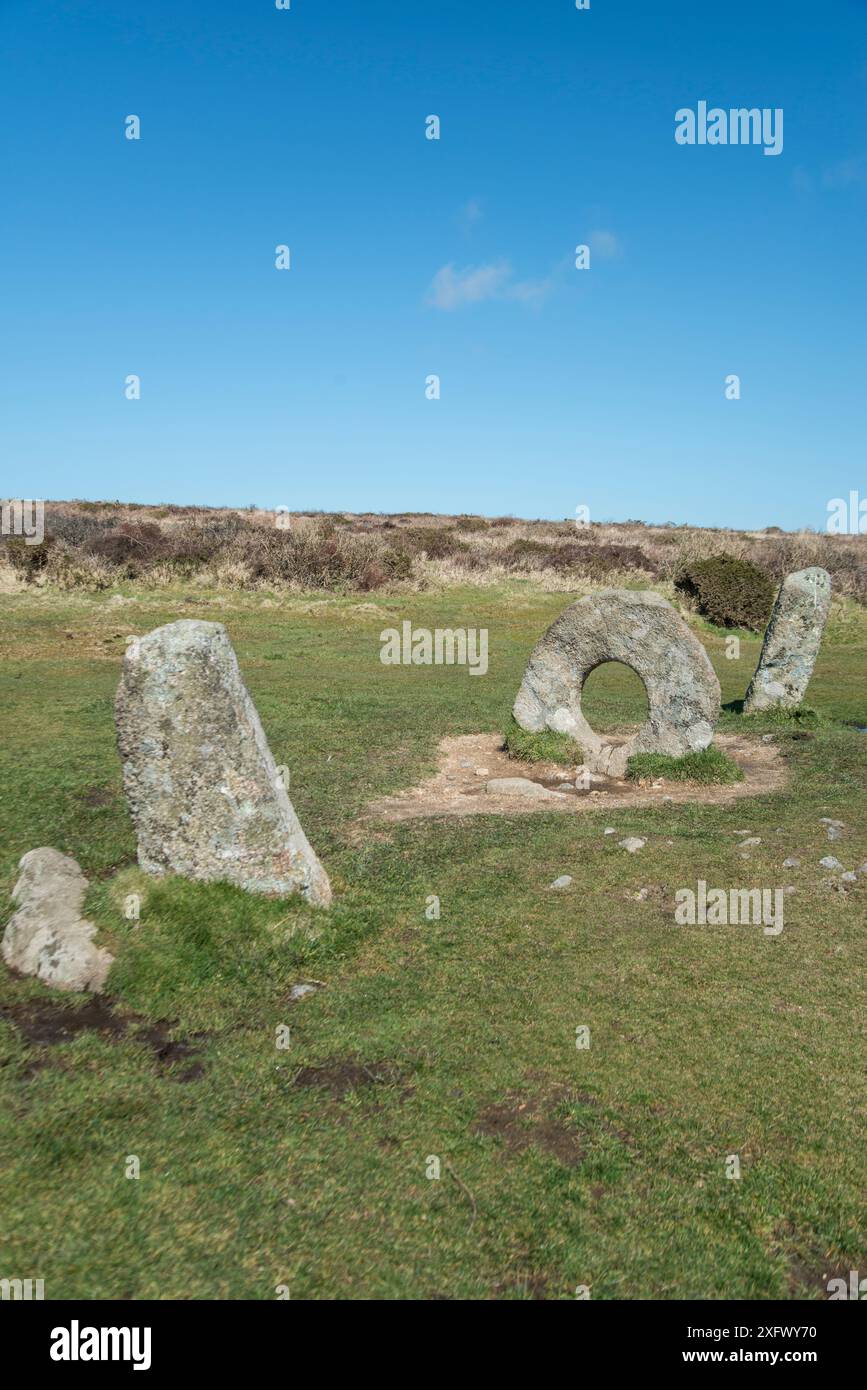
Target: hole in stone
[{"x": 614, "y": 700}]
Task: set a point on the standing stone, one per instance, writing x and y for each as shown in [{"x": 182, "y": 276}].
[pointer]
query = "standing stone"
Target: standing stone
[
  {"x": 792, "y": 641},
  {"x": 204, "y": 792},
  {"x": 638, "y": 628},
  {"x": 47, "y": 936}
]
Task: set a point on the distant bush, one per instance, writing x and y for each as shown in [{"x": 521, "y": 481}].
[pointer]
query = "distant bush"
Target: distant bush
[
  {"x": 434, "y": 541},
  {"x": 318, "y": 559},
  {"x": 27, "y": 560},
  {"x": 471, "y": 523},
  {"x": 729, "y": 592},
  {"x": 596, "y": 561}
]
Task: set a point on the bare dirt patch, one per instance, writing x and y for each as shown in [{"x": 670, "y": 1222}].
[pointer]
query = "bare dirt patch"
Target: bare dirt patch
[
  {"x": 468, "y": 762},
  {"x": 46, "y": 1024},
  {"x": 340, "y": 1075}
]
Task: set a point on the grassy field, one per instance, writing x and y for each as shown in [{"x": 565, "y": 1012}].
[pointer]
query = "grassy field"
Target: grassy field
[{"x": 455, "y": 1038}]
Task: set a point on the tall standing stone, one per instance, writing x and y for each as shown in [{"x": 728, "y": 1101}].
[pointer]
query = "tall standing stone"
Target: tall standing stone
[
  {"x": 792, "y": 641},
  {"x": 204, "y": 792}
]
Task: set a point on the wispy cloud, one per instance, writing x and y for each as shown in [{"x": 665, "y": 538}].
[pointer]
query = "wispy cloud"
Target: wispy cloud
[
  {"x": 604, "y": 244},
  {"x": 846, "y": 172},
  {"x": 470, "y": 213},
  {"x": 453, "y": 289}
]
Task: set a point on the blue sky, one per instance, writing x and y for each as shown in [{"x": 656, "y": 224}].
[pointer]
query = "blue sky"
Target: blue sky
[{"x": 559, "y": 387}]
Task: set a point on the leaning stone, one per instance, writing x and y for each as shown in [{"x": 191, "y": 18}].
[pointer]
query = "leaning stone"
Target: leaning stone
[
  {"x": 205, "y": 795},
  {"x": 520, "y": 786},
  {"x": 792, "y": 641},
  {"x": 47, "y": 936},
  {"x": 642, "y": 630}
]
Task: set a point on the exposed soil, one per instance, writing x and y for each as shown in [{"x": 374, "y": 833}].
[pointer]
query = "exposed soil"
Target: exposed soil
[
  {"x": 523, "y": 1118},
  {"x": 46, "y": 1024},
  {"x": 468, "y": 762},
  {"x": 97, "y": 796},
  {"x": 340, "y": 1075}
]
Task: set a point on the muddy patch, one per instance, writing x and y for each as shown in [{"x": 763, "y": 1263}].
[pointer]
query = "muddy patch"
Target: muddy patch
[
  {"x": 530, "y": 1288},
  {"x": 467, "y": 763},
  {"x": 545, "y": 1120},
  {"x": 520, "y": 1121},
  {"x": 42, "y": 1023},
  {"x": 338, "y": 1076},
  {"x": 97, "y": 796}
]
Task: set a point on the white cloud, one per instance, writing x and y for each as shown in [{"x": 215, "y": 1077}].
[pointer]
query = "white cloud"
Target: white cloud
[
  {"x": 470, "y": 213},
  {"x": 847, "y": 172},
  {"x": 530, "y": 291},
  {"x": 450, "y": 288},
  {"x": 604, "y": 244}
]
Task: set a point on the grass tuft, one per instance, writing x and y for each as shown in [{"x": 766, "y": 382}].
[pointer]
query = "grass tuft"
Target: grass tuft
[
  {"x": 545, "y": 747},
  {"x": 798, "y": 716},
  {"x": 710, "y": 765}
]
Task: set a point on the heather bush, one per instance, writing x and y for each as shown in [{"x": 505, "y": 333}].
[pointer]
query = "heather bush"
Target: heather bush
[{"x": 728, "y": 591}]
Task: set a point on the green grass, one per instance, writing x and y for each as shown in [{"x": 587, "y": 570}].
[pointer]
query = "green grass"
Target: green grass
[
  {"x": 707, "y": 766},
  {"x": 453, "y": 1037},
  {"x": 797, "y": 717},
  {"x": 545, "y": 747}
]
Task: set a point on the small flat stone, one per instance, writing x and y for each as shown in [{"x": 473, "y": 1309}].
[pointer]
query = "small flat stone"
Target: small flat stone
[
  {"x": 753, "y": 840},
  {"x": 791, "y": 862},
  {"x": 520, "y": 786},
  {"x": 47, "y": 936},
  {"x": 829, "y": 862},
  {"x": 632, "y": 844},
  {"x": 562, "y": 882},
  {"x": 849, "y": 877},
  {"x": 305, "y": 987}
]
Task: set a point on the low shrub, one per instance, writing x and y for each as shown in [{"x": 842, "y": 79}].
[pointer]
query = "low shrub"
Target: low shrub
[
  {"x": 596, "y": 561},
  {"x": 435, "y": 542},
  {"x": 27, "y": 560},
  {"x": 728, "y": 591}
]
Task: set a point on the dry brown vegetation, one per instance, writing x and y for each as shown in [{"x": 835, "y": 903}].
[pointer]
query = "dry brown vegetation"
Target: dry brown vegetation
[{"x": 96, "y": 545}]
